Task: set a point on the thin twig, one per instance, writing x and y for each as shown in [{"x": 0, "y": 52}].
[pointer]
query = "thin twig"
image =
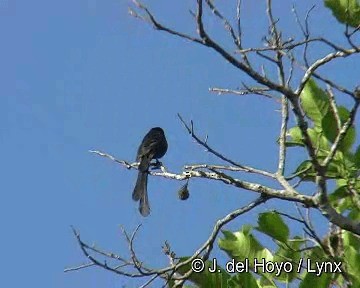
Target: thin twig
[
  {"x": 217, "y": 154},
  {"x": 334, "y": 108},
  {"x": 249, "y": 91},
  {"x": 79, "y": 267}
]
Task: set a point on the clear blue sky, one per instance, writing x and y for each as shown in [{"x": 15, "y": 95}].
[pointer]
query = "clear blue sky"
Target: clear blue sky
[{"x": 80, "y": 75}]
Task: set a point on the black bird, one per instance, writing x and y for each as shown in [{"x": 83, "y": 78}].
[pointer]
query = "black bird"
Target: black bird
[{"x": 153, "y": 146}]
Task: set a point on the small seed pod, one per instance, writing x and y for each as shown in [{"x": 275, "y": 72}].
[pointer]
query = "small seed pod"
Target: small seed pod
[{"x": 184, "y": 192}]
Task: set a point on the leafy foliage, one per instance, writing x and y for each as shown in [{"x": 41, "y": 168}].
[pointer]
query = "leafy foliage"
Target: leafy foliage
[
  {"x": 243, "y": 247},
  {"x": 345, "y": 11},
  {"x": 272, "y": 224},
  {"x": 314, "y": 102},
  {"x": 206, "y": 278}
]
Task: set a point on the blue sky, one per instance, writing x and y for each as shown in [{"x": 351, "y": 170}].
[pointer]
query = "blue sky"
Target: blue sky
[{"x": 80, "y": 75}]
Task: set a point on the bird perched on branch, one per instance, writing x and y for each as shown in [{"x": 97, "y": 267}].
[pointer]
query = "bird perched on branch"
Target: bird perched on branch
[{"x": 153, "y": 146}]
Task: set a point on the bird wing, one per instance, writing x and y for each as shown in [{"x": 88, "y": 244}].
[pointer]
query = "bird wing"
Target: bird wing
[{"x": 147, "y": 148}]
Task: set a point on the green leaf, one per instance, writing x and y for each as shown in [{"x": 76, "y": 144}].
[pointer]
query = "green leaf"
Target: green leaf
[
  {"x": 349, "y": 169},
  {"x": 329, "y": 125},
  {"x": 243, "y": 280},
  {"x": 319, "y": 141},
  {"x": 335, "y": 170},
  {"x": 354, "y": 215},
  {"x": 351, "y": 240},
  {"x": 273, "y": 225},
  {"x": 341, "y": 183},
  {"x": 311, "y": 280},
  {"x": 315, "y": 254},
  {"x": 305, "y": 171},
  {"x": 206, "y": 278},
  {"x": 289, "y": 252},
  {"x": 295, "y": 137},
  {"x": 340, "y": 199},
  {"x": 314, "y": 101},
  {"x": 352, "y": 257},
  {"x": 348, "y": 141},
  {"x": 345, "y": 11},
  {"x": 357, "y": 157},
  {"x": 243, "y": 245},
  {"x": 264, "y": 282}
]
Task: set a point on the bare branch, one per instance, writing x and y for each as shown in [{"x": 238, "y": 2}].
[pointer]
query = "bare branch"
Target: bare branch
[
  {"x": 288, "y": 194},
  {"x": 333, "y": 108},
  {"x": 147, "y": 283},
  {"x": 349, "y": 35},
  {"x": 94, "y": 261},
  {"x": 227, "y": 24},
  {"x": 79, "y": 267},
  {"x": 219, "y": 155},
  {"x": 122, "y": 162},
  {"x": 305, "y": 31},
  {"x": 276, "y": 40},
  {"x": 334, "y": 85},
  {"x": 321, "y": 62},
  {"x": 291, "y": 71},
  {"x": 208, "y": 245},
  {"x": 282, "y": 138},
  {"x": 338, "y": 219},
  {"x": 151, "y": 19},
  {"x": 238, "y": 20},
  {"x": 248, "y": 91},
  {"x": 228, "y": 168}
]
